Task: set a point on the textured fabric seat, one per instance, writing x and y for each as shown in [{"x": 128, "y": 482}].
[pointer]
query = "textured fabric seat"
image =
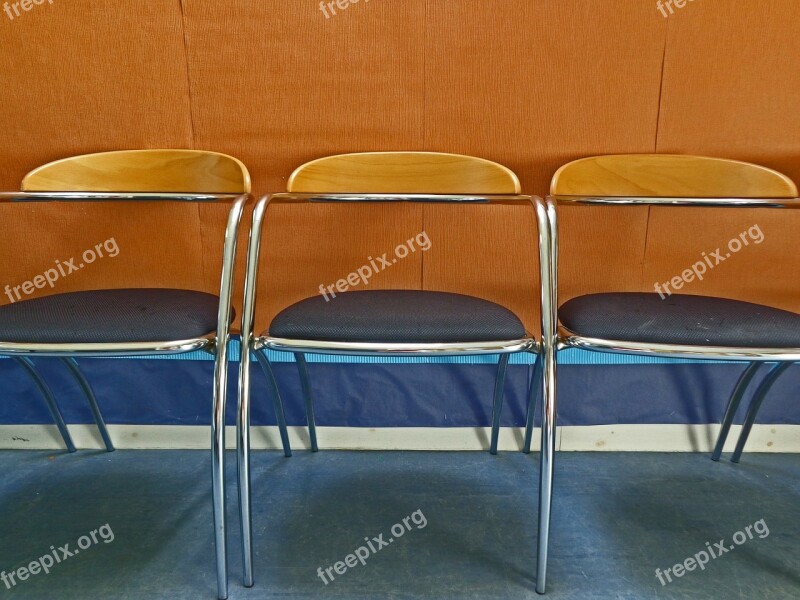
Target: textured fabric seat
[
  {"x": 110, "y": 316},
  {"x": 397, "y": 316},
  {"x": 680, "y": 319}
]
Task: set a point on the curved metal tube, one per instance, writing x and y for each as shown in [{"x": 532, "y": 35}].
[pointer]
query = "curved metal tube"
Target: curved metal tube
[
  {"x": 495, "y": 199},
  {"x": 308, "y": 400},
  {"x": 107, "y": 349},
  {"x": 548, "y": 265},
  {"x": 254, "y": 344},
  {"x": 755, "y": 404},
  {"x": 393, "y": 348},
  {"x": 27, "y": 364},
  {"x": 572, "y": 340},
  {"x": 681, "y": 201},
  {"x": 219, "y": 396},
  {"x": 497, "y": 405},
  {"x": 243, "y": 409},
  {"x": 111, "y": 196},
  {"x": 733, "y": 405},
  {"x": 78, "y": 375}
]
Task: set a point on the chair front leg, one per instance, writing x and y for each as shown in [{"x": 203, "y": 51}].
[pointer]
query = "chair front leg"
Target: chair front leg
[
  {"x": 755, "y": 404},
  {"x": 243, "y": 463},
  {"x": 546, "y": 463},
  {"x": 80, "y": 378},
  {"x": 27, "y": 364},
  {"x": 224, "y": 317},
  {"x": 548, "y": 263},
  {"x": 218, "y": 471}
]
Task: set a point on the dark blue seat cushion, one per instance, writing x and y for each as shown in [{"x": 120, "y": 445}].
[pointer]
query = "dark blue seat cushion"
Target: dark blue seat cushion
[
  {"x": 110, "y": 316},
  {"x": 680, "y": 319},
  {"x": 398, "y": 316}
]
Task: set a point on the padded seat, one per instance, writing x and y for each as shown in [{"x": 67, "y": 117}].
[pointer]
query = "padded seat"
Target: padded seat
[
  {"x": 680, "y": 319},
  {"x": 110, "y": 316},
  {"x": 397, "y": 316}
]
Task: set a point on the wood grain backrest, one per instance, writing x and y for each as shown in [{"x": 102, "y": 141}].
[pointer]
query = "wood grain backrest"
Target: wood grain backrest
[
  {"x": 669, "y": 175},
  {"x": 403, "y": 173},
  {"x": 167, "y": 171}
]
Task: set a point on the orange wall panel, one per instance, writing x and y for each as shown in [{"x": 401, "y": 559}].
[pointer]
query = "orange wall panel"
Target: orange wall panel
[
  {"x": 86, "y": 76},
  {"x": 529, "y": 84},
  {"x": 731, "y": 89}
]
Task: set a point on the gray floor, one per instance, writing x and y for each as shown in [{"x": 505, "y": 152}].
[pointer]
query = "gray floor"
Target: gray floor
[{"x": 618, "y": 518}]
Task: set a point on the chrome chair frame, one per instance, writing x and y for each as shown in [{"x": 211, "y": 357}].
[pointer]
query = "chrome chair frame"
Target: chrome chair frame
[
  {"x": 258, "y": 345},
  {"x": 209, "y": 343},
  {"x": 555, "y": 339}
]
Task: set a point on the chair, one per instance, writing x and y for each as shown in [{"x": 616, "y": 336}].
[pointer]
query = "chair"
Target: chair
[
  {"x": 138, "y": 321},
  {"x": 680, "y": 325},
  {"x": 379, "y": 322}
]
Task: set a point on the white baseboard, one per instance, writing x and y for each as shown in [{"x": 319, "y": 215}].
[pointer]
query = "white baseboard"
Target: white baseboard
[{"x": 609, "y": 438}]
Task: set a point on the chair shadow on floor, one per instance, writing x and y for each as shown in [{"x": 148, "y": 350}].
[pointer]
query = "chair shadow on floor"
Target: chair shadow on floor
[
  {"x": 685, "y": 510},
  {"x": 54, "y": 499},
  {"x": 480, "y": 531}
]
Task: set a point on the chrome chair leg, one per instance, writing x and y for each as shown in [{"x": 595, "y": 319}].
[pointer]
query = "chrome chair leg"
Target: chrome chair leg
[
  {"x": 243, "y": 464},
  {"x": 755, "y": 404},
  {"x": 305, "y": 383},
  {"x": 548, "y": 262},
  {"x": 276, "y": 395},
  {"x": 497, "y": 405},
  {"x": 533, "y": 395},
  {"x": 218, "y": 471},
  {"x": 78, "y": 375},
  {"x": 733, "y": 405},
  {"x": 547, "y": 462},
  {"x": 27, "y": 364}
]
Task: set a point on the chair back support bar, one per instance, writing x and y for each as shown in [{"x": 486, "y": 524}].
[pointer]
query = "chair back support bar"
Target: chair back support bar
[
  {"x": 403, "y": 173},
  {"x": 167, "y": 171},
  {"x": 667, "y": 178}
]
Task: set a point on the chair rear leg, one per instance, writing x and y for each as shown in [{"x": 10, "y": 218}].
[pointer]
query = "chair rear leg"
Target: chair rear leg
[
  {"x": 755, "y": 404},
  {"x": 276, "y": 396},
  {"x": 733, "y": 405},
  {"x": 27, "y": 364},
  {"x": 305, "y": 383},
  {"x": 78, "y": 375},
  {"x": 533, "y": 396},
  {"x": 497, "y": 405}
]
